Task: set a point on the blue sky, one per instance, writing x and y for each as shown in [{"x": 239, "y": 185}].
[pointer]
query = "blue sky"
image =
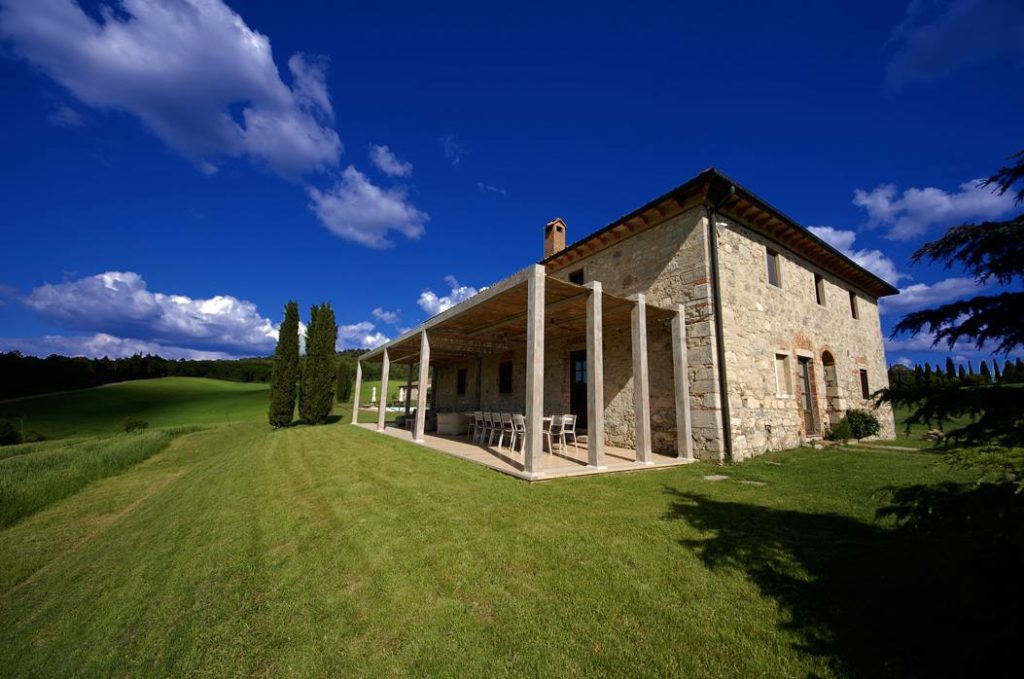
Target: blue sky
[{"x": 175, "y": 171}]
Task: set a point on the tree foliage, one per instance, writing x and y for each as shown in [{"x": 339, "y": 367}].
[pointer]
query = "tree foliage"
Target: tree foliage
[
  {"x": 316, "y": 397},
  {"x": 284, "y": 381},
  {"x": 346, "y": 377},
  {"x": 28, "y": 375},
  {"x": 991, "y": 251}
]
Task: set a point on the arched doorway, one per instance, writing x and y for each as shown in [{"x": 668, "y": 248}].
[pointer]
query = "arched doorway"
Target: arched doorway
[{"x": 832, "y": 409}]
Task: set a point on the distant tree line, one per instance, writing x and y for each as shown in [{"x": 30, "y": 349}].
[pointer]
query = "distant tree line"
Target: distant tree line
[
  {"x": 1011, "y": 372},
  {"x": 27, "y": 375}
]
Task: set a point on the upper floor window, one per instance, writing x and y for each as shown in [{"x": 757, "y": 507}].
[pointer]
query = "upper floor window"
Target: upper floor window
[
  {"x": 853, "y": 304},
  {"x": 819, "y": 289},
  {"x": 505, "y": 377},
  {"x": 576, "y": 277},
  {"x": 772, "y": 259},
  {"x": 865, "y": 392},
  {"x": 460, "y": 382}
]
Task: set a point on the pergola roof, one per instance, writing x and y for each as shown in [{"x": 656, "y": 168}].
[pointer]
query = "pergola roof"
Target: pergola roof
[{"x": 494, "y": 321}]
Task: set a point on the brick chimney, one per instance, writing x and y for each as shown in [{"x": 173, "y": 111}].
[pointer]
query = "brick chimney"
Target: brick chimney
[{"x": 554, "y": 237}]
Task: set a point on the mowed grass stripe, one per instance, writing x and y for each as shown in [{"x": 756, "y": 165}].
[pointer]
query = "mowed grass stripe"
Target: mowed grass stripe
[
  {"x": 333, "y": 550},
  {"x": 54, "y": 470}
]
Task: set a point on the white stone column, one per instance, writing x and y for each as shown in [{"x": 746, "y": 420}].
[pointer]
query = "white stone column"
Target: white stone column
[
  {"x": 355, "y": 393},
  {"x": 681, "y": 373},
  {"x": 383, "y": 402},
  {"x": 595, "y": 378},
  {"x": 421, "y": 394},
  {"x": 641, "y": 383},
  {"x": 534, "y": 370}
]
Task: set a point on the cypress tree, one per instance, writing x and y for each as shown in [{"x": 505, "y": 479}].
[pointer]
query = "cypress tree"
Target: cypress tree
[
  {"x": 985, "y": 371},
  {"x": 950, "y": 368},
  {"x": 316, "y": 398},
  {"x": 996, "y": 375},
  {"x": 346, "y": 375},
  {"x": 927, "y": 373},
  {"x": 962, "y": 374},
  {"x": 285, "y": 373}
]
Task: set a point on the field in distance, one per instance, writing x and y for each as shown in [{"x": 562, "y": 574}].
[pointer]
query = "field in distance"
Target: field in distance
[{"x": 162, "y": 402}]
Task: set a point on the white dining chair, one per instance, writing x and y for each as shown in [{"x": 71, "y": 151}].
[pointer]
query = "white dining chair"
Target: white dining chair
[
  {"x": 568, "y": 430},
  {"x": 518, "y": 431},
  {"x": 475, "y": 422},
  {"x": 552, "y": 425},
  {"x": 488, "y": 431},
  {"x": 505, "y": 428}
]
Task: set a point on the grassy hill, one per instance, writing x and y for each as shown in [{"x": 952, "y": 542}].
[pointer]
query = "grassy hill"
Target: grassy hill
[
  {"x": 332, "y": 550},
  {"x": 167, "y": 401}
]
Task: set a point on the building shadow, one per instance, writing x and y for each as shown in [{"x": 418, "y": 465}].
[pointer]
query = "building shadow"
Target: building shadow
[{"x": 872, "y": 600}]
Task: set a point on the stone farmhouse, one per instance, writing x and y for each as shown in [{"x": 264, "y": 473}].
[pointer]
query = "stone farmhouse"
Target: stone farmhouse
[{"x": 704, "y": 324}]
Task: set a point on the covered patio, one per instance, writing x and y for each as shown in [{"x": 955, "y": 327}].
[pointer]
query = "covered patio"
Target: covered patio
[{"x": 524, "y": 312}]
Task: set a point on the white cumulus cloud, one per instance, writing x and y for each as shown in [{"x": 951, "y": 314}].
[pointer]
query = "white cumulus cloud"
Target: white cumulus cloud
[
  {"x": 874, "y": 261},
  {"x": 388, "y": 163},
  {"x": 362, "y": 335},
  {"x": 911, "y": 213},
  {"x": 355, "y": 209},
  {"x": 101, "y": 345},
  {"x": 434, "y": 304},
  {"x": 191, "y": 70},
  {"x": 390, "y": 317},
  {"x": 921, "y": 295},
  {"x": 119, "y": 304}
]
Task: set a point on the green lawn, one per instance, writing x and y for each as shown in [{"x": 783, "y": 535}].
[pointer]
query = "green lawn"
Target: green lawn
[
  {"x": 313, "y": 551},
  {"x": 163, "y": 402},
  {"x": 35, "y": 475},
  {"x": 237, "y": 550},
  {"x": 394, "y": 382}
]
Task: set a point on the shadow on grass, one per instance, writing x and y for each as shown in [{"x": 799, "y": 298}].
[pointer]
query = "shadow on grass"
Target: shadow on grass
[{"x": 873, "y": 601}]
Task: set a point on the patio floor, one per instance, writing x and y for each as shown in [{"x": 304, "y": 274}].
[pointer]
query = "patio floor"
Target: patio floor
[{"x": 559, "y": 465}]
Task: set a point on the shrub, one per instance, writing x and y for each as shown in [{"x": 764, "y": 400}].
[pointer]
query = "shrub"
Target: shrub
[
  {"x": 9, "y": 434},
  {"x": 841, "y": 432},
  {"x": 863, "y": 423},
  {"x": 135, "y": 425},
  {"x": 33, "y": 436}
]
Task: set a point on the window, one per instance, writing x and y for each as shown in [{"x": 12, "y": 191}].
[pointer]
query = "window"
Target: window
[
  {"x": 865, "y": 392},
  {"x": 460, "y": 382},
  {"x": 783, "y": 380},
  {"x": 772, "y": 258},
  {"x": 819, "y": 289},
  {"x": 576, "y": 277},
  {"x": 853, "y": 304},
  {"x": 505, "y": 377}
]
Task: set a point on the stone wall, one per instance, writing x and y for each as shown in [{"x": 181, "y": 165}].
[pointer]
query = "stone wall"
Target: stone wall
[
  {"x": 669, "y": 264},
  {"x": 761, "y": 320},
  {"x": 482, "y": 392}
]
